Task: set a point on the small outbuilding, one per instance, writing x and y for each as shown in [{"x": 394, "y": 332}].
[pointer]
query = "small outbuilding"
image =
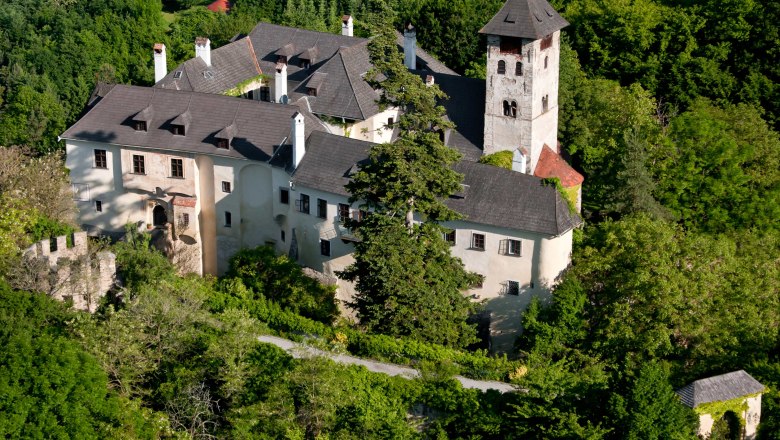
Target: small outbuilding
[{"x": 728, "y": 405}]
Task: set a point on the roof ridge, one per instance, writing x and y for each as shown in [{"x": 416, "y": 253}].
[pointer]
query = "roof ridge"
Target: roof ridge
[
  {"x": 253, "y": 55},
  {"x": 352, "y": 87}
]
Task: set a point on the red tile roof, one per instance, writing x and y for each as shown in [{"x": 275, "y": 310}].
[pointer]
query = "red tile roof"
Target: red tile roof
[
  {"x": 219, "y": 6},
  {"x": 552, "y": 165}
]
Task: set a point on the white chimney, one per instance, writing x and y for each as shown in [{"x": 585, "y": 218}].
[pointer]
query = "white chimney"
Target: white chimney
[
  {"x": 519, "y": 160},
  {"x": 298, "y": 139},
  {"x": 160, "y": 62},
  {"x": 429, "y": 80},
  {"x": 203, "y": 49},
  {"x": 346, "y": 25},
  {"x": 410, "y": 47},
  {"x": 280, "y": 83}
]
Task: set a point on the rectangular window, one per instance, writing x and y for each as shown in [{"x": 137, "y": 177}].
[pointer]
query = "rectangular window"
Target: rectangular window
[
  {"x": 223, "y": 144},
  {"x": 185, "y": 220},
  {"x": 478, "y": 242},
  {"x": 513, "y": 288},
  {"x": 177, "y": 168},
  {"x": 343, "y": 212},
  {"x": 139, "y": 167},
  {"x": 283, "y": 236},
  {"x": 325, "y": 248},
  {"x": 98, "y": 206},
  {"x": 140, "y": 125},
  {"x": 322, "y": 208},
  {"x": 225, "y": 186},
  {"x": 514, "y": 247},
  {"x": 100, "y": 159},
  {"x": 284, "y": 196},
  {"x": 546, "y": 42},
  {"x": 303, "y": 204},
  {"x": 178, "y": 130},
  {"x": 449, "y": 237},
  {"x": 265, "y": 94},
  {"x": 228, "y": 219}
]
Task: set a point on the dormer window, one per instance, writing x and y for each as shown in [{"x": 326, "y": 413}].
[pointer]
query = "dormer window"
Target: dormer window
[
  {"x": 140, "y": 125},
  {"x": 305, "y": 64},
  {"x": 223, "y": 144},
  {"x": 281, "y": 59},
  {"x": 180, "y": 123},
  {"x": 177, "y": 130},
  {"x": 311, "y": 91},
  {"x": 225, "y": 136},
  {"x": 142, "y": 119}
]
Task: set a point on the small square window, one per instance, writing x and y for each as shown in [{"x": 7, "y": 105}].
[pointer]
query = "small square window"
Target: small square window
[
  {"x": 228, "y": 219},
  {"x": 223, "y": 144},
  {"x": 514, "y": 247},
  {"x": 325, "y": 248},
  {"x": 513, "y": 288},
  {"x": 98, "y": 206},
  {"x": 177, "y": 168},
  {"x": 140, "y": 125},
  {"x": 478, "y": 242},
  {"x": 303, "y": 204},
  {"x": 322, "y": 208},
  {"x": 101, "y": 160},
  {"x": 284, "y": 196},
  {"x": 225, "y": 186},
  {"x": 178, "y": 130},
  {"x": 449, "y": 237},
  {"x": 139, "y": 166}
]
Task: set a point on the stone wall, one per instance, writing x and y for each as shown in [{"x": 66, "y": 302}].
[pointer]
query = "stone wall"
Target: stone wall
[{"x": 71, "y": 273}]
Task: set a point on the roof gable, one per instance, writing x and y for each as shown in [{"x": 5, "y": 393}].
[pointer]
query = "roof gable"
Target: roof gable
[
  {"x": 551, "y": 164},
  {"x": 531, "y": 19},
  {"x": 719, "y": 388}
]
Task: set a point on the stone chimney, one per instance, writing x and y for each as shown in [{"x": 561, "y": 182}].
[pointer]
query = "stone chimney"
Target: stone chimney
[
  {"x": 298, "y": 139},
  {"x": 346, "y": 25},
  {"x": 203, "y": 49},
  {"x": 520, "y": 160},
  {"x": 410, "y": 47},
  {"x": 429, "y": 80},
  {"x": 160, "y": 62},
  {"x": 280, "y": 83}
]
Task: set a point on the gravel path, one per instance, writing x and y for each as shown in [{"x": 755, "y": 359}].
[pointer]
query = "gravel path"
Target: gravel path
[{"x": 300, "y": 350}]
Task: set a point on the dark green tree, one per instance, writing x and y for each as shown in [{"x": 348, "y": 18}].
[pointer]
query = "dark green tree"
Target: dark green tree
[{"x": 407, "y": 281}]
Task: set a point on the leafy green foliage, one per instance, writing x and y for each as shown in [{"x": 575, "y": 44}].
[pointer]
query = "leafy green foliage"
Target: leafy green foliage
[
  {"x": 282, "y": 280},
  {"x": 501, "y": 159},
  {"x": 138, "y": 263}
]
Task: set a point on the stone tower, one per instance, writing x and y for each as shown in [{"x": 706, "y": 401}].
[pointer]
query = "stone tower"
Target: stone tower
[{"x": 521, "y": 99}]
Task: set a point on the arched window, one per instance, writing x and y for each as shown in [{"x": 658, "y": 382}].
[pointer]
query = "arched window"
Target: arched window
[
  {"x": 519, "y": 68},
  {"x": 510, "y": 108},
  {"x": 501, "y": 67},
  {"x": 545, "y": 62},
  {"x": 545, "y": 101}
]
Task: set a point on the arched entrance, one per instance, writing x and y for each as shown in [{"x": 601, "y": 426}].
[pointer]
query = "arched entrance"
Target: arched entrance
[
  {"x": 727, "y": 427},
  {"x": 159, "y": 217}
]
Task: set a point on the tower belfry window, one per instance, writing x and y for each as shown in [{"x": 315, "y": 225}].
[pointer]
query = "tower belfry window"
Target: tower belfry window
[
  {"x": 545, "y": 62},
  {"x": 501, "y": 67},
  {"x": 519, "y": 68},
  {"x": 510, "y": 108}
]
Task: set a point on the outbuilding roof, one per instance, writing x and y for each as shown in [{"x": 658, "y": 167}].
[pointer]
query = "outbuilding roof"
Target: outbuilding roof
[
  {"x": 259, "y": 129},
  {"x": 531, "y": 19},
  {"x": 551, "y": 164},
  {"x": 720, "y": 388}
]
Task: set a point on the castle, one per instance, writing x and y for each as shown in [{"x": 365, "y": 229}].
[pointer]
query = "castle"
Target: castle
[{"x": 223, "y": 173}]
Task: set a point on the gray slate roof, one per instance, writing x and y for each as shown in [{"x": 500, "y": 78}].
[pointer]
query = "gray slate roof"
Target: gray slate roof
[
  {"x": 230, "y": 65},
  {"x": 491, "y": 196},
  {"x": 531, "y": 19},
  {"x": 260, "y": 128},
  {"x": 345, "y": 60},
  {"x": 342, "y": 91},
  {"x": 719, "y": 388}
]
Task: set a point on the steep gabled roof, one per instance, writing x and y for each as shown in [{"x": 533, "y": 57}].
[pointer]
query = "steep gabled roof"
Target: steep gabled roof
[
  {"x": 258, "y": 128},
  {"x": 531, "y": 19},
  {"x": 551, "y": 164},
  {"x": 341, "y": 88},
  {"x": 230, "y": 65},
  {"x": 491, "y": 195},
  {"x": 719, "y": 388}
]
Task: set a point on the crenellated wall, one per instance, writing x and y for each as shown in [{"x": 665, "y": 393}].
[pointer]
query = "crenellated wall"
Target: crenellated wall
[{"x": 71, "y": 273}]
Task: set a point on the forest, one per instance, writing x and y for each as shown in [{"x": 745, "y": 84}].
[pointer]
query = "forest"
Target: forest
[{"x": 670, "y": 110}]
